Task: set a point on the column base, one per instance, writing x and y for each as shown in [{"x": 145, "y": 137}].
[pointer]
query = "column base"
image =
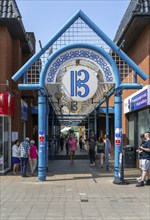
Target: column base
[
  {"x": 41, "y": 173},
  {"x": 41, "y": 178},
  {"x": 120, "y": 181}
]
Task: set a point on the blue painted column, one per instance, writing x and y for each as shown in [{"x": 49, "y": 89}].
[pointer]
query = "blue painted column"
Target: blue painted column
[
  {"x": 88, "y": 126},
  {"x": 53, "y": 132},
  {"x": 118, "y": 135},
  {"x": 107, "y": 132},
  {"x": 42, "y": 134},
  {"x": 47, "y": 131},
  {"x": 56, "y": 136},
  {"x": 95, "y": 123}
]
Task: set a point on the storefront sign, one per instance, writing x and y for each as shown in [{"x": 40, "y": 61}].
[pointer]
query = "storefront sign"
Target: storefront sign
[
  {"x": 137, "y": 100},
  {"x": 6, "y": 104}
]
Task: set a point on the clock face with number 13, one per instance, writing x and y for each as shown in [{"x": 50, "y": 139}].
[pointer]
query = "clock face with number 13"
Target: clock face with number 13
[{"x": 80, "y": 83}]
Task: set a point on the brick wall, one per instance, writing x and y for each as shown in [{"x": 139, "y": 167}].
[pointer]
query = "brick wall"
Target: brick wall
[
  {"x": 5, "y": 56},
  {"x": 140, "y": 54},
  {"x": 12, "y": 58}
]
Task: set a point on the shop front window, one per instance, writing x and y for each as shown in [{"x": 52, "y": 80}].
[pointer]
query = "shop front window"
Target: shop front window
[
  {"x": 1, "y": 144},
  {"x": 131, "y": 129},
  {"x": 143, "y": 121},
  {"x": 5, "y": 142},
  {"x": 7, "y": 151}
]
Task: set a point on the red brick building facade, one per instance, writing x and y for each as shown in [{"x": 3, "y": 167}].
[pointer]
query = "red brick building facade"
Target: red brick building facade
[
  {"x": 135, "y": 30},
  {"x": 16, "y": 47}
]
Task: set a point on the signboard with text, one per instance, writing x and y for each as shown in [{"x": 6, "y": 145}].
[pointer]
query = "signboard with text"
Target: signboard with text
[
  {"x": 6, "y": 104},
  {"x": 137, "y": 100}
]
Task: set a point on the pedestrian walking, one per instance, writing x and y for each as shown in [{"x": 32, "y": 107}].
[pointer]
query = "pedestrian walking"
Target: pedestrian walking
[
  {"x": 145, "y": 160},
  {"x": 33, "y": 157},
  {"x": 107, "y": 140},
  {"x": 92, "y": 148},
  {"x": 101, "y": 150},
  {"x": 81, "y": 142},
  {"x": 66, "y": 146},
  {"x": 16, "y": 157},
  {"x": 24, "y": 155},
  {"x": 139, "y": 151},
  {"x": 72, "y": 144},
  {"x": 61, "y": 142}
]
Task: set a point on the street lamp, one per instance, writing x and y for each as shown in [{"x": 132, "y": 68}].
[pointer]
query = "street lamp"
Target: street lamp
[{"x": 58, "y": 96}]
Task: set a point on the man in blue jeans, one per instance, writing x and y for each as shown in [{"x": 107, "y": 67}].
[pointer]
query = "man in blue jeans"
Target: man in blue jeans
[
  {"x": 24, "y": 155},
  {"x": 145, "y": 160}
]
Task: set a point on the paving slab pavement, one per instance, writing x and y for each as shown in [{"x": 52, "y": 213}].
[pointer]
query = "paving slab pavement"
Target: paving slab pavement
[{"x": 74, "y": 192}]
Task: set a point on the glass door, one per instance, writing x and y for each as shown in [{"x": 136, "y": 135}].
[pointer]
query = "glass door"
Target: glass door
[
  {"x": 131, "y": 129},
  {"x": 5, "y": 143},
  {"x": 1, "y": 144}
]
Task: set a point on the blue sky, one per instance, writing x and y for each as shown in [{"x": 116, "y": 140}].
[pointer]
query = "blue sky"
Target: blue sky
[{"x": 46, "y": 17}]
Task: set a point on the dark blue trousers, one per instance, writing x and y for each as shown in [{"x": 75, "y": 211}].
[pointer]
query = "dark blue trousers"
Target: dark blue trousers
[
  {"x": 92, "y": 156},
  {"x": 23, "y": 165}
]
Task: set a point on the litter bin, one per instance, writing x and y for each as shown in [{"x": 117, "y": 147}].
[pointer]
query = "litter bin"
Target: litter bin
[{"x": 129, "y": 156}]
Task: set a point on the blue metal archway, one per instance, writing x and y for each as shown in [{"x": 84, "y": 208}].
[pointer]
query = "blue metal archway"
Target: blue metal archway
[
  {"x": 42, "y": 99},
  {"x": 42, "y": 95}
]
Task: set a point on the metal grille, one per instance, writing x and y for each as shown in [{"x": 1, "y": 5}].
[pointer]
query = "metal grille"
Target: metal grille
[
  {"x": 126, "y": 73},
  {"x": 33, "y": 73},
  {"x": 79, "y": 31}
]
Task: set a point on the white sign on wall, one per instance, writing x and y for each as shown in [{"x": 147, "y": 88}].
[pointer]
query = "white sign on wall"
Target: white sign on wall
[
  {"x": 80, "y": 83},
  {"x": 137, "y": 100},
  {"x": 14, "y": 135}
]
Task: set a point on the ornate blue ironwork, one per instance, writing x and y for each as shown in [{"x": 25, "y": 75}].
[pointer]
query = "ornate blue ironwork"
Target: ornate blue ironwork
[
  {"x": 41, "y": 92},
  {"x": 76, "y": 54}
]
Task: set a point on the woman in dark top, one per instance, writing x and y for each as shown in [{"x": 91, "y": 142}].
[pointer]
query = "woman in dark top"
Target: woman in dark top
[
  {"x": 101, "y": 150},
  {"x": 92, "y": 148}
]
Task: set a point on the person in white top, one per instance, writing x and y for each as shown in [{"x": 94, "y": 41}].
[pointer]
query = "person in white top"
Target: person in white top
[
  {"x": 15, "y": 157},
  {"x": 109, "y": 144}
]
